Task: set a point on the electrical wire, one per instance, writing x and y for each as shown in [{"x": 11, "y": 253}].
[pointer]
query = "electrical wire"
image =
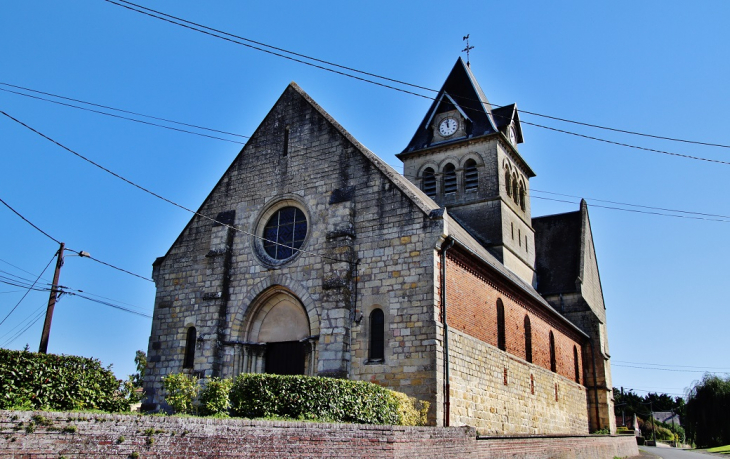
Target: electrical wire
[
  {"x": 123, "y": 117},
  {"x": 235, "y": 39},
  {"x": 123, "y": 111},
  {"x": 38, "y": 316},
  {"x": 670, "y": 369},
  {"x": 215, "y": 130},
  {"x": 670, "y": 365},
  {"x": 21, "y": 269},
  {"x": 632, "y": 205},
  {"x": 158, "y": 196},
  {"x": 636, "y": 211},
  {"x": 29, "y": 288},
  {"x": 29, "y": 222},
  {"x": 56, "y": 240}
]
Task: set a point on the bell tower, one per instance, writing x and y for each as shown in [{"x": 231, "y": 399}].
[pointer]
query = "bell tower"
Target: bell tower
[{"x": 464, "y": 156}]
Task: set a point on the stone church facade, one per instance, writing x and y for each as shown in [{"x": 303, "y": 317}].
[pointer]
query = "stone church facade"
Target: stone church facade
[{"x": 313, "y": 256}]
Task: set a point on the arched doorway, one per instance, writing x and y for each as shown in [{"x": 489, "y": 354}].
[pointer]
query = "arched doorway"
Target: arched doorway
[{"x": 278, "y": 335}]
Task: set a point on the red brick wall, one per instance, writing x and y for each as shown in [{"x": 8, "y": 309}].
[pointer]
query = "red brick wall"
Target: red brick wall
[
  {"x": 472, "y": 294},
  {"x": 119, "y": 436}
]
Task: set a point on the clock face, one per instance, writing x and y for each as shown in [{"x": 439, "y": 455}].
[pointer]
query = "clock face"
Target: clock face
[{"x": 448, "y": 126}]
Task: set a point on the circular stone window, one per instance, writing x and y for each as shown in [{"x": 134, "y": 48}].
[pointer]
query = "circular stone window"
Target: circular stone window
[{"x": 284, "y": 232}]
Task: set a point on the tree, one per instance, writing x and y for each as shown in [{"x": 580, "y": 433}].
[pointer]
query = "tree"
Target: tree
[
  {"x": 140, "y": 359},
  {"x": 708, "y": 409}
]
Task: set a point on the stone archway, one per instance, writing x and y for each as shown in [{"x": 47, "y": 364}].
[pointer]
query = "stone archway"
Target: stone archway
[{"x": 277, "y": 334}]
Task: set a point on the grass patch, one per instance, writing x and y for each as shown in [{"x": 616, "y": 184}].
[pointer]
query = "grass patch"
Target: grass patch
[{"x": 720, "y": 449}]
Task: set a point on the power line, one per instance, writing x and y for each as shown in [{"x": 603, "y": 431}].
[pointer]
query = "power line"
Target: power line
[
  {"x": 51, "y": 237},
  {"x": 670, "y": 365},
  {"x": 636, "y": 211},
  {"x": 235, "y": 39},
  {"x": 125, "y": 111},
  {"x": 215, "y": 130},
  {"x": 123, "y": 117},
  {"x": 632, "y": 205},
  {"x": 19, "y": 268},
  {"x": 158, "y": 196},
  {"x": 29, "y": 222},
  {"x": 671, "y": 369},
  {"x": 30, "y": 324},
  {"x": 28, "y": 291},
  {"x": 111, "y": 305}
]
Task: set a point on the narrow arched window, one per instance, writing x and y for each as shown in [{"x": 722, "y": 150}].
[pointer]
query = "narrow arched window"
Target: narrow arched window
[
  {"x": 508, "y": 183},
  {"x": 552, "y": 352},
  {"x": 471, "y": 176},
  {"x": 515, "y": 194},
  {"x": 429, "y": 183},
  {"x": 189, "y": 359},
  {"x": 377, "y": 335},
  {"x": 522, "y": 196},
  {"x": 449, "y": 179},
  {"x": 501, "y": 338},
  {"x": 528, "y": 339},
  {"x": 576, "y": 364}
]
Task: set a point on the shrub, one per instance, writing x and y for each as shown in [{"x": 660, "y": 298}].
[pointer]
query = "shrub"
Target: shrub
[
  {"x": 59, "y": 382},
  {"x": 411, "y": 412},
  {"x": 215, "y": 396},
  {"x": 180, "y": 392},
  {"x": 306, "y": 397}
]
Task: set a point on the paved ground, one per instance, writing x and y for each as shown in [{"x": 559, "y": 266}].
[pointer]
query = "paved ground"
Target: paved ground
[{"x": 673, "y": 453}]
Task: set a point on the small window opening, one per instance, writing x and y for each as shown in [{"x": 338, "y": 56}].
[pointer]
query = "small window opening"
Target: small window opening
[
  {"x": 512, "y": 225},
  {"x": 377, "y": 335},
  {"x": 501, "y": 338},
  {"x": 556, "y": 392},
  {"x": 576, "y": 364},
  {"x": 526, "y": 249},
  {"x": 449, "y": 179},
  {"x": 514, "y": 189},
  {"x": 286, "y": 140},
  {"x": 553, "y": 365},
  {"x": 429, "y": 183},
  {"x": 471, "y": 176},
  {"x": 189, "y": 359},
  {"x": 505, "y": 376},
  {"x": 528, "y": 339},
  {"x": 508, "y": 183},
  {"x": 532, "y": 384},
  {"x": 519, "y": 237},
  {"x": 522, "y": 197}
]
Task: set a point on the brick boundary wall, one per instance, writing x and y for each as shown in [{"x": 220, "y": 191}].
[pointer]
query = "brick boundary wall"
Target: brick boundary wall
[{"x": 88, "y": 435}]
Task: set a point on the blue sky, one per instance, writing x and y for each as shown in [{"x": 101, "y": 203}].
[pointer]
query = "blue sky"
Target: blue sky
[{"x": 653, "y": 67}]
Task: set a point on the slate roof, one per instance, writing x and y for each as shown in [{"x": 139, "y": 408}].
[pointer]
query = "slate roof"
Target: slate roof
[
  {"x": 462, "y": 88},
  {"x": 557, "y": 252},
  {"x": 666, "y": 417},
  {"x": 504, "y": 115}
]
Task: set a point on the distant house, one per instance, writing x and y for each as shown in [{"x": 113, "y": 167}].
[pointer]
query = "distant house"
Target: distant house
[{"x": 667, "y": 417}]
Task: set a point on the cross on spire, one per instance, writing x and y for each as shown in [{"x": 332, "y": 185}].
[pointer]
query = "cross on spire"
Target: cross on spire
[{"x": 467, "y": 49}]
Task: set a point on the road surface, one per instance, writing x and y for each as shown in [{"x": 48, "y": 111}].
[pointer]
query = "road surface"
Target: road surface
[{"x": 673, "y": 453}]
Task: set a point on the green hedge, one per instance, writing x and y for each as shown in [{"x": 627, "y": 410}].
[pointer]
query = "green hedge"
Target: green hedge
[
  {"x": 59, "y": 382},
  {"x": 306, "y": 397}
]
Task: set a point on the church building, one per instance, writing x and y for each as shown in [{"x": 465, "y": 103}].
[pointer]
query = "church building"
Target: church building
[{"x": 313, "y": 256}]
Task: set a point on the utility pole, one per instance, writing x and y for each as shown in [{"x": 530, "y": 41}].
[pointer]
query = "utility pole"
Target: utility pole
[{"x": 51, "y": 302}]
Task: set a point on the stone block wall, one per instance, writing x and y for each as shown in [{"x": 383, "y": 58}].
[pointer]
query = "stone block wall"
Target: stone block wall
[
  {"x": 499, "y": 394},
  {"x": 368, "y": 245}
]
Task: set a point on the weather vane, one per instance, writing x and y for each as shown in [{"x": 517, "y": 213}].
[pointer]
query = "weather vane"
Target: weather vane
[{"x": 467, "y": 49}]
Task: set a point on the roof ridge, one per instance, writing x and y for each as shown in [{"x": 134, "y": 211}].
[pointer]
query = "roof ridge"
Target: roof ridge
[{"x": 418, "y": 197}]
